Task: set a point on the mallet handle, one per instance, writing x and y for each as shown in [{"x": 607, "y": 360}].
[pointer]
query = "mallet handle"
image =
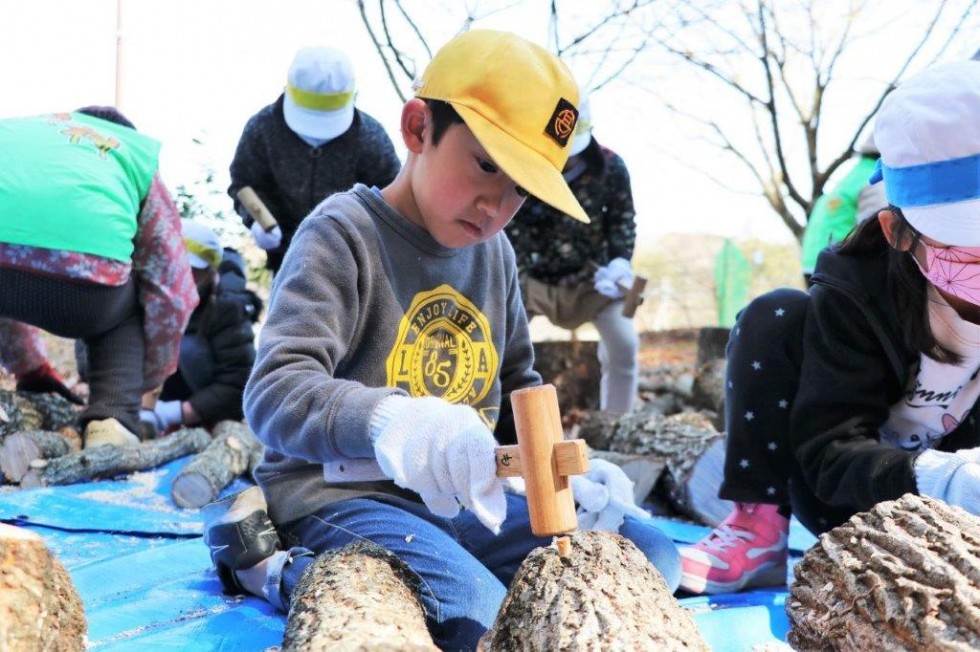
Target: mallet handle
[
  {"x": 256, "y": 208},
  {"x": 549, "y": 494}
]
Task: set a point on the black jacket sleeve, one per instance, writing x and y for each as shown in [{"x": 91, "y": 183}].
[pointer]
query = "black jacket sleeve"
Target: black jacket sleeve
[
  {"x": 847, "y": 385},
  {"x": 231, "y": 339}
]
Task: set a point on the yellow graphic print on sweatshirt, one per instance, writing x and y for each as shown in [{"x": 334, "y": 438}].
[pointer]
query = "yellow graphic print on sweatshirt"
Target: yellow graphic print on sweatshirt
[{"x": 444, "y": 348}]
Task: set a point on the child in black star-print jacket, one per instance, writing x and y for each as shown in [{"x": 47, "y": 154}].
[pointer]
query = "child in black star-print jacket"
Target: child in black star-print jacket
[{"x": 867, "y": 388}]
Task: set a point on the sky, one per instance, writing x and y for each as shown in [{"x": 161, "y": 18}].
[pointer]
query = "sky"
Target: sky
[{"x": 194, "y": 71}]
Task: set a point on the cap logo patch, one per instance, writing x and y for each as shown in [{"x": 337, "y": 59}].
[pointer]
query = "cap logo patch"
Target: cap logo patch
[{"x": 562, "y": 123}]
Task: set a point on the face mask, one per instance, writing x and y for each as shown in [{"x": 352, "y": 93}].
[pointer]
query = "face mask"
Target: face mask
[{"x": 954, "y": 270}]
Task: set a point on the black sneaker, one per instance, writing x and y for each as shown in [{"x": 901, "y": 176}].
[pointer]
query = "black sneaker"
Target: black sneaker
[{"x": 239, "y": 534}]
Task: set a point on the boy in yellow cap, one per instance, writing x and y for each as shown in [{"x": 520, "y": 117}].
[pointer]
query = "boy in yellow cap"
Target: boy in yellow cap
[{"x": 394, "y": 338}]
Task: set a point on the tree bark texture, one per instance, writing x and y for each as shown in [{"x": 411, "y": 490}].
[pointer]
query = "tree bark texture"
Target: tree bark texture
[
  {"x": 360, "y": 597},
  {"x": 902, "y": 576},
  {"x": 107, "y": 461},
  {"x": 229, "y": 455},
  {"x": 643, "y": 470},
  {"x": 602, "y": 595},
  {"x": 679, "y": 439},
  {"x": 22, "y": 447},
  {"x": 39, "y": 606},
  {"x": 43, "y": 411}
]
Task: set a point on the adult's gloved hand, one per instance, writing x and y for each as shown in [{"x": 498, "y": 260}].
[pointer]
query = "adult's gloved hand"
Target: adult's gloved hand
[
  {"x": 163, "y": 416},
  {"x": 605, "y": 496},
  {"x": 44, "y": 380},
  {"x": 266, "y": 239},
  {"x": 608, "y": 279},
  {"x": 442, "y": 451},
  {"x": 950, "y": 477}
]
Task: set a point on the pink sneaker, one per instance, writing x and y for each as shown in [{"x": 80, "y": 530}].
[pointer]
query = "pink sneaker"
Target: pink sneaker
[{"x": 748, "y": 549}]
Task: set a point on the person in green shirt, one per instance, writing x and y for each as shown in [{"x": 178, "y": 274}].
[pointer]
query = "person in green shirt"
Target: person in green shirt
[{"x": 837, "y": 212}]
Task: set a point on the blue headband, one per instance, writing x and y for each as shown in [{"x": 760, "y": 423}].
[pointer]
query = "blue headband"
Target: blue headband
[{"x": 941, "y": 182}]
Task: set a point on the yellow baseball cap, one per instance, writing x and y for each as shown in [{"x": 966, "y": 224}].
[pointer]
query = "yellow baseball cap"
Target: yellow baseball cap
[{"x": 519, "y": 100}]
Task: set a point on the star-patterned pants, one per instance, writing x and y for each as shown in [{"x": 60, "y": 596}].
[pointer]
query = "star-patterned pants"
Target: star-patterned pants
[{"x": 764, "y": 353}]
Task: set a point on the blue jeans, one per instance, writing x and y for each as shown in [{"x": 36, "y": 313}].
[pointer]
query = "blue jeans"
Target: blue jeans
[{"x": 463, "y": 568}]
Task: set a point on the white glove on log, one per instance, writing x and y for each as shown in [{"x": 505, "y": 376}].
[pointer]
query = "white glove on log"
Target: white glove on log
[
  {"x": 443, "y": 452},
  {"x": 266, "y": 239},
  {"x": 950, "y": 477},
  {"x": 605, "y": 496},
  {"x": 609, "y": 278}
]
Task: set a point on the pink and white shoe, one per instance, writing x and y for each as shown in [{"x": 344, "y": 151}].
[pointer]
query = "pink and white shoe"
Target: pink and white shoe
[{"x": 748, "y": 549}]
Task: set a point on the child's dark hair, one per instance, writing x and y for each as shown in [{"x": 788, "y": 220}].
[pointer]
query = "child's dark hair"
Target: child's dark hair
[
  {"x": 443, "y": 116},
  {"x": 907, "y": 286},
  {"x": 110, "y": 113}
]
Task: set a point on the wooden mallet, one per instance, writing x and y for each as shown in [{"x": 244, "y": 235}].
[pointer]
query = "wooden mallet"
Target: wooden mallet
[
  {"x": 633, "y": 294},
  {"x": 544, "y": 459},
  {"x": 256, "y": 208}
]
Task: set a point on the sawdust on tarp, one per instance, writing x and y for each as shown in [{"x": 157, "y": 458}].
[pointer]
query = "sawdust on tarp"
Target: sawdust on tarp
[{"x": 141, "y": 493}]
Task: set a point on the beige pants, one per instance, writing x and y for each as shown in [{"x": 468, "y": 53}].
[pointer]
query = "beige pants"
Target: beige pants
[{"x": 570, "y": 307}]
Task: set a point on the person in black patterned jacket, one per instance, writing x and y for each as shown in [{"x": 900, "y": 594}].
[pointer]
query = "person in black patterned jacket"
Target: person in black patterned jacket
[
  {"x": 308, "y": 144},
  {"x": 557, "y": 258}
]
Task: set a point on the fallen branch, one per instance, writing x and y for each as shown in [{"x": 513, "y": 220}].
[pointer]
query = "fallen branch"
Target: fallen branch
[
  {"x": 107, "y": 461},
  {"x": 24, "y": 446},
  {"x": 229, "y": 455}
]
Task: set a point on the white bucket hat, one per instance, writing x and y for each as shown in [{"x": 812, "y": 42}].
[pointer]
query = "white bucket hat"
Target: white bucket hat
[
  {"x": 319, "y": 95},
  {"x": 203, "y": 246},
  {"x": 928, "y": 132}
]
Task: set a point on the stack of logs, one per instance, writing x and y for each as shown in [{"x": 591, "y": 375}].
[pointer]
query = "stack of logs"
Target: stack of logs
[{"x": 40, "y": 446}]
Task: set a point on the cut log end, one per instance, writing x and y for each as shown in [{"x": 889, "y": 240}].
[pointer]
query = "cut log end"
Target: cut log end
[{"x": 39, "y": 606}]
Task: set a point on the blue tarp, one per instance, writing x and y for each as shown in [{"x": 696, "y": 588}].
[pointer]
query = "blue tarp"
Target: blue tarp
[{"x": 147, "y": 583}]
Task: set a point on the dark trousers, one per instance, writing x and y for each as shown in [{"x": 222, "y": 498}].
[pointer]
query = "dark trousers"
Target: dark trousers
[
  {"x": 108, "y": 319},
  {"x": 764, "y": 354}
]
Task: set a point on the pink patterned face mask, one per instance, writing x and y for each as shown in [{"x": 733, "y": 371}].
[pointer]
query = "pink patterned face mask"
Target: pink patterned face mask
[{"x": 954, "y": 270}]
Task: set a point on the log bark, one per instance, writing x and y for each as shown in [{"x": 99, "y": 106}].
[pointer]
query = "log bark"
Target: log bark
[
  {"x": 903, "y": 576},
  {"x": 229, "y": 455},
  {"x": 39, "y": 606},
  {"x": 602, "y": 594},
  {"x": 712, "y": 342},
  {"x": 643, "y": 470},
  {"x": 24, "y": 446},
  {"x": 573, "y": 368},
  {"x": 709, "y": 390},
  {"x": 43, "y": 411},
  {"x": 9, "y": 413},
  {"x": 107, "y": 461},
  {"x": 360, "y": 597},
  {"x": 679, "y": 439}
]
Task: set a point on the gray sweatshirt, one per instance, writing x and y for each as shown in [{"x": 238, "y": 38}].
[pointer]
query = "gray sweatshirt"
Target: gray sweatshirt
[{"x": 368, "y": 304}]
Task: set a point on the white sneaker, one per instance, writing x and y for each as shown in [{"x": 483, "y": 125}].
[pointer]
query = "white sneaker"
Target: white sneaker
[{"x": 108, "y": 432}]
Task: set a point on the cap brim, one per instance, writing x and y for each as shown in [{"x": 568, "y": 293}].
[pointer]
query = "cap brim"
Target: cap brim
[
  {"x": 317, "y": 124},
  {"x": 526, "y": 167},
  {"x": 196, "y": 261},
  {"x": 956, "y": 224}
]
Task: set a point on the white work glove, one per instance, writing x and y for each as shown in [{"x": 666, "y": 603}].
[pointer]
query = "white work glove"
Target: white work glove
[
  {"x": 266, "y": 239},
  {"x": 609, "y": 278},
  {"x": 951, "y": 477},
  {"x": 605, "y": 496},
  {"x": 163, "y": 415},
  {"x": 443, "y": 452}
]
